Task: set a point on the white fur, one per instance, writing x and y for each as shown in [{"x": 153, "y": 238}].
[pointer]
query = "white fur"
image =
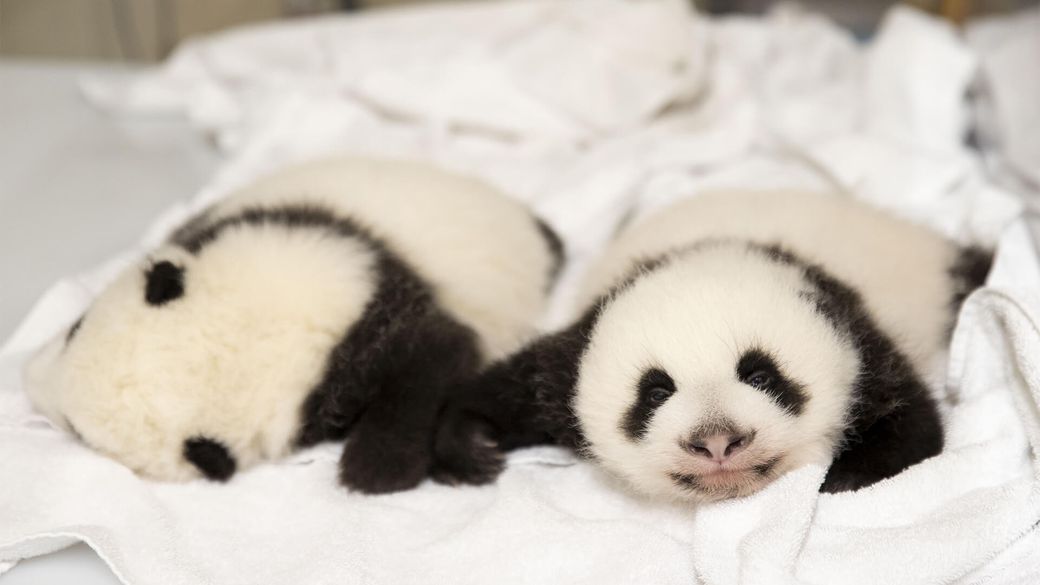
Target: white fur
[
  {"x": 899, "y": 267},
  {"x": 695, "y": 316},
  {"x": 479, "y": 249},
  {"x": 236, "y": 355},
  {"x": 694, "y": 319},
  {"x": 232, "y": 359}
]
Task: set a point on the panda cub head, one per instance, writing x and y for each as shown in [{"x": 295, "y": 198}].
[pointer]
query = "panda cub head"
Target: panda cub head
[
  {"x": 197, "y": 360},
  {"x": 714, "y": 372}
]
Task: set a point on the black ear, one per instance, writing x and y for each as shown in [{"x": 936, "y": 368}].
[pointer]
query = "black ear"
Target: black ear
[
  {"x": 211, "y": 457},
  {"x": 164, "y": 282},
  {"x": 894, "y": 421}
]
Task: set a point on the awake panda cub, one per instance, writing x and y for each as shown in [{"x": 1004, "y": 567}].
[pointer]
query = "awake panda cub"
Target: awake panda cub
[
  {"x": 340, "y": 296},
  {"x": 727, "y": 340}
]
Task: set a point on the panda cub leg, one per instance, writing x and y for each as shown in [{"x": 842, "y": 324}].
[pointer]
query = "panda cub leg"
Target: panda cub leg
[
  {"x": 886, "y": 444},
  {"x": 389, "y": 445},
  {"x": 520, "y": 401},
  {"x": 481, "y": 420}
]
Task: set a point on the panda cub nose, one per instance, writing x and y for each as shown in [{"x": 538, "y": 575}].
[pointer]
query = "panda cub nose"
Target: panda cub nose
[{"x": 720, "y": 447}]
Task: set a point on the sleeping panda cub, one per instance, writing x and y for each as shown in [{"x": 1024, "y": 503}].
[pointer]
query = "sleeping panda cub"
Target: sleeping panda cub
[
  {"x": 727, "y": 340},
  {"x": 343, "y": 295}
]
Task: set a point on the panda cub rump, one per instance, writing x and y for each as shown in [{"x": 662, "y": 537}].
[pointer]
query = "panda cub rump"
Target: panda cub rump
[
  {"x": 717, "y": 349},
  {"x": 294, "y": 311}
]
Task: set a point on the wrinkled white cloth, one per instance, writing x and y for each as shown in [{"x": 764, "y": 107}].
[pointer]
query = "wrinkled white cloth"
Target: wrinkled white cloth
[
  {"x": 595, "y": 112},
  {"x": 1009, "y": 96}
]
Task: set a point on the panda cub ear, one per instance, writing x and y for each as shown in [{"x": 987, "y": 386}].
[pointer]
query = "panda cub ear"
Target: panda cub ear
[
  {"x": 211, "y": 457},
  {"x": 164, "y": 282}
]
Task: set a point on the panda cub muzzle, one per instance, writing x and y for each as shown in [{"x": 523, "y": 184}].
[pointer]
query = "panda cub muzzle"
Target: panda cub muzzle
[{"x": 718, "y": 446}]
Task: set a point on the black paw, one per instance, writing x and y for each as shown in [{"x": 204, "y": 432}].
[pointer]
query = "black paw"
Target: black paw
[
  {"x": 324, "y": 420},
  {"x": 466, "y": 452},
  {"x": 846, "y": 481},
  {"x": 377, "y": 466}
]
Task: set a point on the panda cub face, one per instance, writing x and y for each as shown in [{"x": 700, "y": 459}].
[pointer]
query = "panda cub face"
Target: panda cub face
[
  {"x": 197, "y": 364},
  {"x": 712, "y": 375}
]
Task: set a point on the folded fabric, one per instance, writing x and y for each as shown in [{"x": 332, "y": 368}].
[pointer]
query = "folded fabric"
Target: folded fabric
[{"x": 1008, "y": 92}]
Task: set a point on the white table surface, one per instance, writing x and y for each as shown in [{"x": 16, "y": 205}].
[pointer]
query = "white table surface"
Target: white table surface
[{"x": 76, "y": 187}]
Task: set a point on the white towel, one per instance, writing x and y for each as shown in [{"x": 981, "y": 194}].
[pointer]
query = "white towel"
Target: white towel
[
  {"x": 587, "y": 110},
  {"x": 1009, "y": 96}
]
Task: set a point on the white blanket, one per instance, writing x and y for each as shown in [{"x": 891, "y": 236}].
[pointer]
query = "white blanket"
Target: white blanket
[{"x": 588, "y": 110}]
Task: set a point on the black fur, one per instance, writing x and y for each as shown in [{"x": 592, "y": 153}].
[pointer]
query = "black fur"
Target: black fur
[
  {"x": 164, "y": 282},
  {"x": 638, "y": 416},
  {"x": 556, "y": 249},
  {"x": 686, "y": 481},
  {"x": 526, "y": 399},
  {"x": 201, "y": 232},
  {"x": 355, "y": 367},
  {"x": 894, "y": 420},
  {"x": 787, "y": 393},
  {"x": 766, "y": 468},
  {"x": 520, "y": 401},
  {"x": 384, "y": 380},
  {"x": 187, "y": 231},
  {"x": 968, "y": 272},
  {"x": 74, "y": 330},
  {"x": 211, "y": 457}
]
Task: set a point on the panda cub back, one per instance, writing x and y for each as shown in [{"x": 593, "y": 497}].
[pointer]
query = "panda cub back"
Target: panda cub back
[
  {"x": 475, "y": 247},
  {"x": 731, "y": 338},
  {"x": 341, "y": 296}
]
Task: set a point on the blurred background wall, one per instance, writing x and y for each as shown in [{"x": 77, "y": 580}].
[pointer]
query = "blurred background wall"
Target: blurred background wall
[{"x": 146, "y": 30}]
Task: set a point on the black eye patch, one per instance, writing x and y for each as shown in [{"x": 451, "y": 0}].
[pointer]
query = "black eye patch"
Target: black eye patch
[
  {"x": 211, "y": 457},
  {"x": 758, "y": 369},
  {"x": 653, "y": 390},
  {"x": 164, "y": 282}
]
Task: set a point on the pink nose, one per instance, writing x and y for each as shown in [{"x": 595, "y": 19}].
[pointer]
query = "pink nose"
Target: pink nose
[{"x": 720, "y": 447}]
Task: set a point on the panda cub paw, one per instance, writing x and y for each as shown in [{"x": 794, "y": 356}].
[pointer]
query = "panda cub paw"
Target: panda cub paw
[
  {"x": 466, "y": 451},
  {"x": 374, "y": 465}
]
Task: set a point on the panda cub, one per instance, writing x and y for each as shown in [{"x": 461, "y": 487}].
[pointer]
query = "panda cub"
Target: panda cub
[
  {"x": 727, "y": 340},
  {"x": 340, "y": 296}
]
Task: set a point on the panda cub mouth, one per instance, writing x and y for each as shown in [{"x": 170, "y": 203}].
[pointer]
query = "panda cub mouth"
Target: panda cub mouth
[{"x": 727, "y": 482}]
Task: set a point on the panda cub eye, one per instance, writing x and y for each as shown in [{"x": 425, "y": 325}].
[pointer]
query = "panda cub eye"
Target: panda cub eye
[
  {"x": 656, "y": 386},
  {"x": 759, "y": 369},
  {"x": 658, "y": 395},
  {"x": 760, "y": 379}
]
